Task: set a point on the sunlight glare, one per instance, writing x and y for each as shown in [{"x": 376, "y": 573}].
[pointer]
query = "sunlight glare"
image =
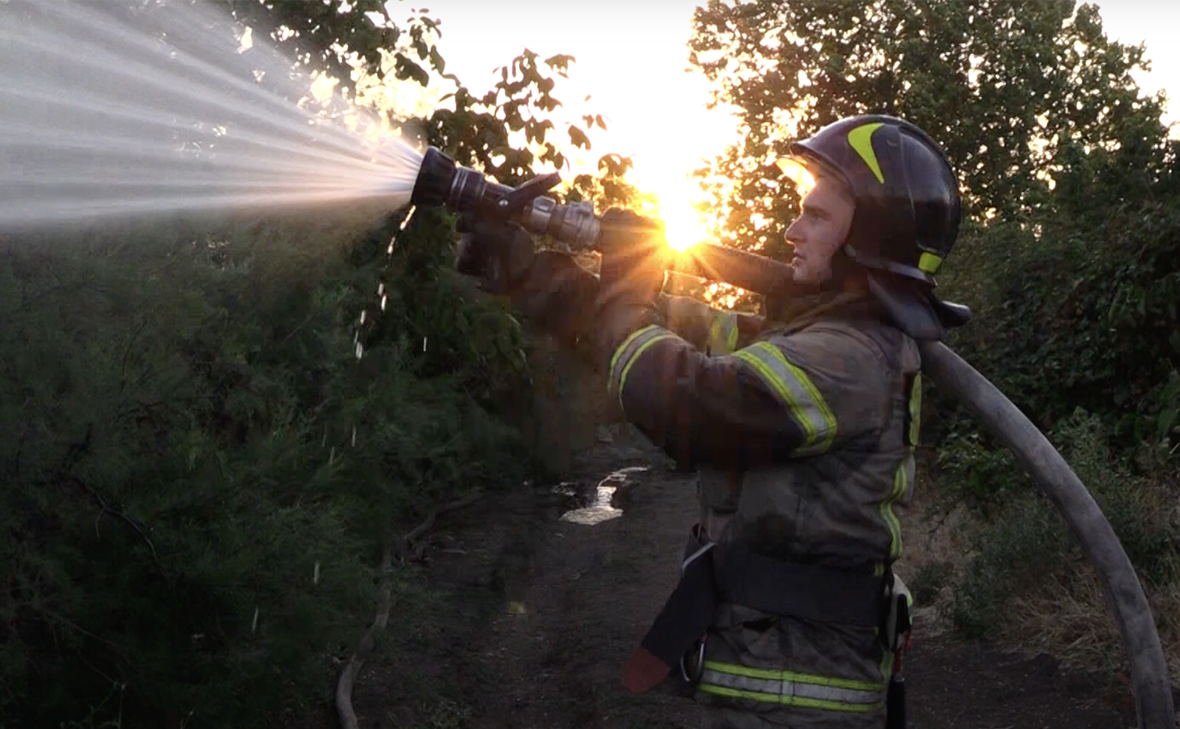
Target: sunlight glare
[
  {"x": 794, "y": 170},
  {"x": 682, "y": 225}
]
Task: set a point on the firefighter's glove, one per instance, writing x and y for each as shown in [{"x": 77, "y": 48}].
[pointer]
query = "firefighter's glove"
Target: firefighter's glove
[
  {"x": 557, "y": 297},
  {"x": 554, "y": 293},
  {"x": 635, "y": 256},
  {"x": 498, "y": 254},
  {"x": 634, "y": 259}
]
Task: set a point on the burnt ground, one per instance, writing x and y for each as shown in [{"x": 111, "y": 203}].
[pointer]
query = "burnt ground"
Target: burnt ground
[{"x": 538, "y": 615}]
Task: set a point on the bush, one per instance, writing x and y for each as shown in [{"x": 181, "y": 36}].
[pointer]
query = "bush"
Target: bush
[
  {"x": 1073, "y": 314},
  {"x": 1028, "y": 581},
  {"x": 198, "y": 471}
]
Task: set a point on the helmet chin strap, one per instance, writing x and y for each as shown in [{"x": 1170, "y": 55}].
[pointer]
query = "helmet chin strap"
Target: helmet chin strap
[{"x": 844, "y": 270}]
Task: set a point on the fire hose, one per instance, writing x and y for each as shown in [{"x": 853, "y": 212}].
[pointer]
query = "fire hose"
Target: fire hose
[{"x": 441, "y": 182}]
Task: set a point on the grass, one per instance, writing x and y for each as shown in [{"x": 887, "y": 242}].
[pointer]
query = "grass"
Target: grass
[{"x": 1007, "y": 569}]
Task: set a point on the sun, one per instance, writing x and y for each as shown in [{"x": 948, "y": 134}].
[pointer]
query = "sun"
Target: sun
[{"x": 684, "y": 226}]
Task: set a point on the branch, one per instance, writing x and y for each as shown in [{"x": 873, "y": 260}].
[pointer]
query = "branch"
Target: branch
[
  {"x": 295, "y": 331},
  {"x": 466, "y": 500},
  {"x": 127, "y": 354},
  {"x": 946, "y": 510},
  {"x": 104, "y": 509},
  {"x": 344, "y": 709}
]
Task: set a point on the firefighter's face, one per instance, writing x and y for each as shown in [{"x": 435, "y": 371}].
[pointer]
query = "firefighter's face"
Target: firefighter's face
[{"x": 820, "y": 230}]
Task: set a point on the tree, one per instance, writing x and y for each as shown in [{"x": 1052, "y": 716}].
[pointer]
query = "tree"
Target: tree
[
  {"x": 1014, "y": 91},
  {"x": 338, "y": 36},
  {"x": 508, "y": 129}
]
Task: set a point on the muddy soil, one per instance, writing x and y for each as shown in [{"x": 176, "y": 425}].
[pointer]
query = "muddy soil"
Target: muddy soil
[{"x": 539, "y": 615}]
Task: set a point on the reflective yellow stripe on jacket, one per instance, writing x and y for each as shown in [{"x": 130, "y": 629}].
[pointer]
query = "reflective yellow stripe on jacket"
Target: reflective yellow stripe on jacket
[
  {"x": 797, "y": 391},
  {"x": 629, "y": 351},
  {"x": 901, "y": 478},
  {"x": 723, "y": 333},
  {"x": 787, "y": 688}
]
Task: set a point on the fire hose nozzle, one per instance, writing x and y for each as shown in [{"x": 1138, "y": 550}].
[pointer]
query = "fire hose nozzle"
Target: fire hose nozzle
[{"x": 441, "y": 182}]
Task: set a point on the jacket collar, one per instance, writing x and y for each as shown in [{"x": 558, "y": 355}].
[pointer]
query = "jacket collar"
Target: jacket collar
[{"x": 803, "y": 311}]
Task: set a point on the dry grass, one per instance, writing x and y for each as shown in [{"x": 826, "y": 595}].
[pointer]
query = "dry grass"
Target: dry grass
[
  {"x": 1020, "y": 574},
  {"x": 1071, "y": 621},
  {"x": 936, "y": 550}
]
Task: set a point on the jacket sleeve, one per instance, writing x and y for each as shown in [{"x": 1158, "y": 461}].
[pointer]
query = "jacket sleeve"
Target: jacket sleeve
[{"x": 780, "y": 398}]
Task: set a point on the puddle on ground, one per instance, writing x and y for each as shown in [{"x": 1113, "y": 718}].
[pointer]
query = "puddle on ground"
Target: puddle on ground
[{"x": 596, "y": 504}]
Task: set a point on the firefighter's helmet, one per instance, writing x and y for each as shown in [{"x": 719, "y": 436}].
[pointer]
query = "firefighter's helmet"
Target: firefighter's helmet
[{"x": 907, "y": 210}]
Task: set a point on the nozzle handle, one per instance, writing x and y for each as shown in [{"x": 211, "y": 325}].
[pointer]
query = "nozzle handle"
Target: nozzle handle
[{"x": 514, "y": 201}]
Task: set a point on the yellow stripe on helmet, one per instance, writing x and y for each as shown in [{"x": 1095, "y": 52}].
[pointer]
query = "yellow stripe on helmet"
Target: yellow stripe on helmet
[
  {"x": 861, "y": 140},
  {"x": 929, "y": 263}
]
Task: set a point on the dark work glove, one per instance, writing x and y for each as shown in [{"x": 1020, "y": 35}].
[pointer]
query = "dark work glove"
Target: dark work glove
[
  {"x": 555, "y": 294},
  {"x": 558, "y": 297},
  {"x": 635, "y": 255},
  {"x": 497, "y": 253}
]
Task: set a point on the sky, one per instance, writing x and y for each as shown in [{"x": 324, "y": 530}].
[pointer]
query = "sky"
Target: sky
[{"x": 631, "y": 58}]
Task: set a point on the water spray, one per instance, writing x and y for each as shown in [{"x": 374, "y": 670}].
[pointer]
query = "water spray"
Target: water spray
[{"x": 116, "y": 110}]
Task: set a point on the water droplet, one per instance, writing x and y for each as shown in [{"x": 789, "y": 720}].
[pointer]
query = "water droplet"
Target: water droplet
[
  {"x": 360, "y": 350},
  {"x": 409, "y": 217}
]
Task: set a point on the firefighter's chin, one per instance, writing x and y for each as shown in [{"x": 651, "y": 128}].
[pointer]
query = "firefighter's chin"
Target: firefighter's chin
[{"x": 800, "y": 272}]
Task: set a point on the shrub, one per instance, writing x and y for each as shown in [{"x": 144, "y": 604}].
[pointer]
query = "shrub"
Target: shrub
[
  {"x": 1027, "y": 580},
  {"x": 198, "y": 471}
]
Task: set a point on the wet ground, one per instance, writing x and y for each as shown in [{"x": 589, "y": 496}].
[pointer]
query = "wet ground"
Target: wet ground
[{"x": 548, "y": 589}]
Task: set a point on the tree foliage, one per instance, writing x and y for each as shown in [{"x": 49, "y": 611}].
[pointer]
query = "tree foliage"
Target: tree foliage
[
  {"x": 505, "y": 131},
  {"x": 1016, "y": 92},
  {"x": 508, "y": 130},
  {"x": 187, "y": 514},
  {"x": 1066, "y": 168},
  {"x": 343, "y": 37}
]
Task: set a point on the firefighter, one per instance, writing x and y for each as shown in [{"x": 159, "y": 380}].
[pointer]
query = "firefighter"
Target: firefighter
[{"x": 802, "y": 425}]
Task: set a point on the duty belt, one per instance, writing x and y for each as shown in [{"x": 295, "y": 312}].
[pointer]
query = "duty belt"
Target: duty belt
[{"x": 732, "y": 572}]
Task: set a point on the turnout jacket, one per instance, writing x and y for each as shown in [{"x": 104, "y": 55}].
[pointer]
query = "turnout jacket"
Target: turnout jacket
[{"x": 803, "y": 432}]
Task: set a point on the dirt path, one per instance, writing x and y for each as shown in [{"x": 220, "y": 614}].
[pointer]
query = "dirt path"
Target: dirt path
[{"x": 541, "y": 614}]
